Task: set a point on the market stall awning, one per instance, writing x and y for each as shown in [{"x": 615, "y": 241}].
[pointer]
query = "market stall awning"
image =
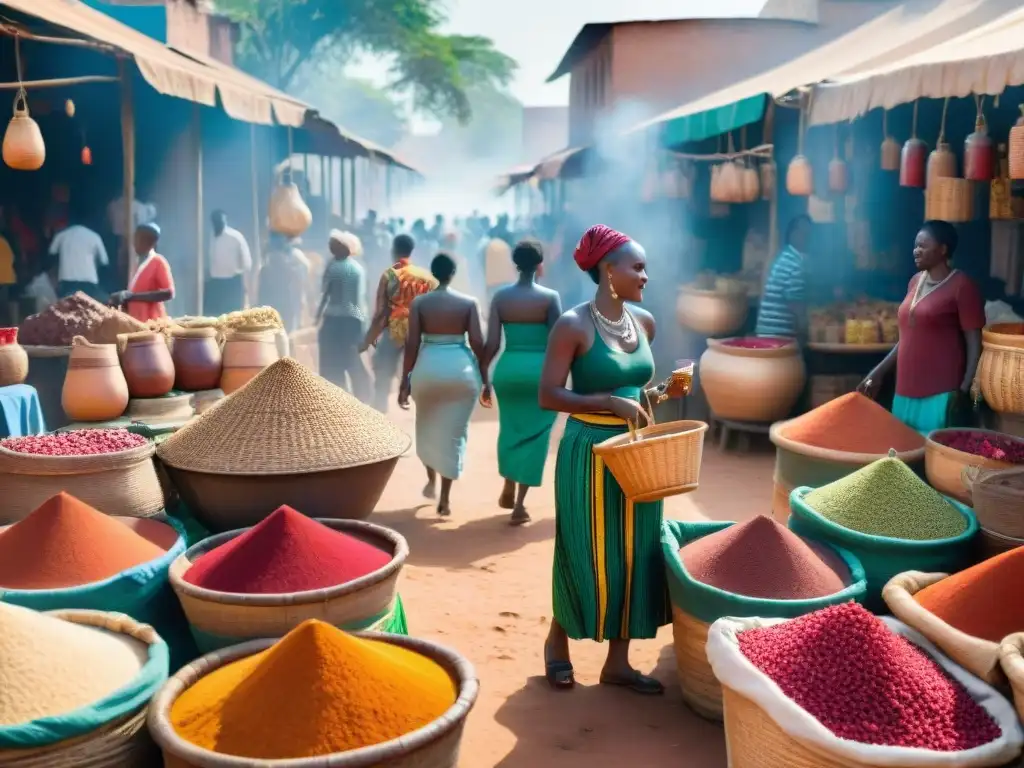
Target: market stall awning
[
  {"x": 906, "y": 29},
  {"x": 984, "y": 60},
  {"x": 517, "y": 175},
  {"x": 551, "y": 166},
  {"x": 325, "y": 138},
  {"x": 167, "y": 71}
]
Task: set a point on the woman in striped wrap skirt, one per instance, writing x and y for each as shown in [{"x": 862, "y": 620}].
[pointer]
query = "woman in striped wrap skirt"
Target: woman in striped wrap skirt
[{"x": 609, "y": 581}]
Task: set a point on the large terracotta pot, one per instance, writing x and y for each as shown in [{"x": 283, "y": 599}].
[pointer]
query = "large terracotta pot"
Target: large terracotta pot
[
  {"x": 246, "y": 353},
  {"x": 712, "y": 313},
  {"x": 13, "y": 358},
  {"x": 753, "y": 385},
  {"x": 197, "y": 359},
  {"x": 147, "y": 365},
  {"x": 95, "y": 388},
  {"x": 1001, "y": 368}
]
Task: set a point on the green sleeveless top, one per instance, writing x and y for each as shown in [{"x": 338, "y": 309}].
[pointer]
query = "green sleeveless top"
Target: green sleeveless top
[
  {"x": 603, "y": 369},
  {"x": 525, "y": 337}
]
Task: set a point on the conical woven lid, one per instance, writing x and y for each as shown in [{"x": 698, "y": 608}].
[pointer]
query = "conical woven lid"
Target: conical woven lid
[{"x": 287, "y": 420}]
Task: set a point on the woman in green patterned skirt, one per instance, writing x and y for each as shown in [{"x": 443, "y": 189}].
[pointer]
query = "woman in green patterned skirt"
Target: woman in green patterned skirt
[{"x": 609, "y": 581}]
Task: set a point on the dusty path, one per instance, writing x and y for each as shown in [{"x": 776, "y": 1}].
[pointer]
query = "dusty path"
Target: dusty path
[{"x": 485, "y": 588}]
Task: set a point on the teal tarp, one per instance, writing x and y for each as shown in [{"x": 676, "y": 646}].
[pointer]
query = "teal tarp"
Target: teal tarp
[
  {"x": 709, "y": 604},
  {"x": 713, "y": 122}
]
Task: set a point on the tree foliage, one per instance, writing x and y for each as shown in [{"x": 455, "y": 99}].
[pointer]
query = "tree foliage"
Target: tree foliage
[{"x": 282, "y": 39}]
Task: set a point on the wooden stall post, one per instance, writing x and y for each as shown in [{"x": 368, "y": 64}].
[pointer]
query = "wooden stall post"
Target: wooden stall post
[
  {"x": 352, "y": 189},
  {"x": 197, "y": 139},
  {"x": 127, "y": 258},
  {"x": 257, "y": 224}
]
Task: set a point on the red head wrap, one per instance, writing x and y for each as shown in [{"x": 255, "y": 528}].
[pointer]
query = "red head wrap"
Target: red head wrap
[{"x": 596, "y": 243}]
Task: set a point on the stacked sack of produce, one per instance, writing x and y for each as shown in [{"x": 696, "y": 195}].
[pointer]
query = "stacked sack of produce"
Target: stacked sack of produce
[
  {"x": 757, "y": 568},
  {"x": 890, "y": 519},
  {"x": 408, "y": 707},
  {"x": 835, "y": 439},
  {"x": 841, "y": 687},
  {"x": 109, "y": 469},
  {"x": 266, "y": 580},
  {"x": 967, "y": 614},
  {"x": 68, "y": 555},
  {"x": 74, "y": 688}
]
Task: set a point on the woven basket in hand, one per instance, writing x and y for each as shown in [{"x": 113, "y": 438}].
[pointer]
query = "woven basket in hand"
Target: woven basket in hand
[
  {"x": 124, "y": 483},
  {"x": 656, "y": 461},
  {"x": 236, "y": 618},
  {"x": 997, "y": 496},
  {"x": 436, "y": 745},
  {"x": 286, "y": 421}
]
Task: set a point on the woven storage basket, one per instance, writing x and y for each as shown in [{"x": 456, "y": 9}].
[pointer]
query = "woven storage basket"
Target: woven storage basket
[
  {"x": 949, "y": 199},
  {"x": 124, "y": 743},
  {"x": 1012, "y": 663},
  {"x": 1001, "y": 369},
  {"x": 997, "y": 496},
  {"x": 123, "y": 483},
  {"x": 657, "y": 461},
  {"x": 944, "y": 466},
  {"x": 755, "y": 738},
  {"x": 978, "y": 656},
  {"x": 434, "y": 746},
  {"x": 241, "y": 617},
  {"x": 700, "y": 689}
]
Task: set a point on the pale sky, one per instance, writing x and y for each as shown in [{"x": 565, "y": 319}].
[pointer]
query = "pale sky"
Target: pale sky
[{"x": 537, "y": 33}]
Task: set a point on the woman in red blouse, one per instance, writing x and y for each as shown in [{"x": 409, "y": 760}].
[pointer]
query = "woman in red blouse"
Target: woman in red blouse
[{"x": 940, "y": 336}]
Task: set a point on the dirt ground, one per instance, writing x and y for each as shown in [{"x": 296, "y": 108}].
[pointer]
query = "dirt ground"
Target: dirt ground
[{"x": 485, "y": 588}]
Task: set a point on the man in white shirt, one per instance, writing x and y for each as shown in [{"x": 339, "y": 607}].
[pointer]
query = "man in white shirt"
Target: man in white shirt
[
  {"x": 43, "y": 287},
  {"x": 230, "y": 265},
  {"x": 80, "y": 252}
]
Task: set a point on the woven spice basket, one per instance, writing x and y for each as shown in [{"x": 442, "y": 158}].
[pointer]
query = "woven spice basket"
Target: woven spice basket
[
  {"x": 124, "y": 483},
  {"x": 701, "y": 690},
  {"x": 999, "y": 507},
  {"x": 1012, "y": 663},
  {"x": 944, "y": 466},
  {"x": 979, "y": 657},
  {"x": 1000, "y": 373},
  {"x": 242, "y": 617},
  {"x": 434, "y": 746},
  {"x": 656, "y": 461},
  {"x": 125, "y": 743},
  {"x": 949, "y": 199}
]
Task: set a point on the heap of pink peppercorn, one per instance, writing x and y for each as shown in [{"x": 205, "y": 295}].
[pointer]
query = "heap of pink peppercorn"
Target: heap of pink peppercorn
[
  {"x": 79, "y": 442},
  {"x": 865, "y": 683},
  {"x": 984, "y": 444}
]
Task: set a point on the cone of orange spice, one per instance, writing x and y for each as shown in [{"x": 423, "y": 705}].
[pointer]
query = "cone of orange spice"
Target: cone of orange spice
[{"x": 318, "y": 691}]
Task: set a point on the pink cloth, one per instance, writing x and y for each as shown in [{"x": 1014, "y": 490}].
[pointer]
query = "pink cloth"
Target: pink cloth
[{"x": 596, "y": 243}]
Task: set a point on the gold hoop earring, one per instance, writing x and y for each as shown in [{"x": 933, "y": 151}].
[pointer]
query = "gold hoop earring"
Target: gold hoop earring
[{"x": 611, "y": 286}]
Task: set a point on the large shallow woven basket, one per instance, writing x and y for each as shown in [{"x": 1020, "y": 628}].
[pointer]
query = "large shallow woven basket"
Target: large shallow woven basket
[
  {"x": 700, "y": 688},
  {"x": 1000, "y": 373},
  {"x": 654, "y": 462},
  {"x": 241, "y": 617},
  {"x": 434, "y": 746},
  {"x": 124, "y": 743},
  {"x": 999, "y": 507},
  {"x": 944, "y": 466},
  {"x": 123, "y": 483}
]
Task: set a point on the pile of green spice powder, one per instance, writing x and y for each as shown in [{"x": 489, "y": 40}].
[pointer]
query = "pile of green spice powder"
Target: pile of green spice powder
[{"x": 886, "y": 498}]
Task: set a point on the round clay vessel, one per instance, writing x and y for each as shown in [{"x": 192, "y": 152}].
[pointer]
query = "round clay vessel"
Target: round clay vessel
[
  {"x": 753, "y": 385},
  {"x": 13, "y": 358},
  {"x": 245, "y": 355},
  {"x": 711, "y": 313},
  {"x": 197, "y": 359},
  {"x": 95, "y": 388},
  {"x": 147, "y": 365}
]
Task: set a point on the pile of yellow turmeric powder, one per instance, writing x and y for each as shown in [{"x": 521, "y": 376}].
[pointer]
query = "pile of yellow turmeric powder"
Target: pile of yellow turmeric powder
[{"x": 315, "y": 692}]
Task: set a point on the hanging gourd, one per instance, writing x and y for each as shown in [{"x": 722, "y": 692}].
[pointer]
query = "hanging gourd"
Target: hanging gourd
[
  {"x": 890, "y": 152},
  {"x": 1017, "y": 147},
  {"x": 769, "y": 177},
  {"x": 69, "y": 108},
  {"x": 751, "y": 183},
  {"x": 799, "y": 175},
  {"x": 730, "y": 183},
  {"x": 838, "y": 178},
  {"x": 913, "y": 158},
  {"x": 716, "y": 183},
  {"x": 23, "y": 147},
  {"x": 942, "y": 161},
  {"x": 979, "y": 153},
  {"x": 86, "y": 156},
  {"x": 289, "y": 214}
]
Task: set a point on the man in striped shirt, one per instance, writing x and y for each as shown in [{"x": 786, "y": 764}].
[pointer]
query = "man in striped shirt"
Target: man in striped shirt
[{"x": 783, "y": 309}]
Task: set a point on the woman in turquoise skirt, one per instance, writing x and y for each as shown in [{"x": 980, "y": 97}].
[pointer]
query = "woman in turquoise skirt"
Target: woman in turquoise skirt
[
  {"x": 609, "y": 577},
  {"x": 444, "y": 374},
  {"x": 525, "y": 312},
  {"x": 940, "y": 322}
]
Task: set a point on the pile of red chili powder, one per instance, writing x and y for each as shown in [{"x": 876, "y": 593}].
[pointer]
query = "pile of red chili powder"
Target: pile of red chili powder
[
  {"x": 982, "y": 601},
  {"x": 67, "y": 543},
  {"x": 855, "y": 424},
  {"x": 763, "y": 559},
  {"x": 286, "y": 552},
  {"x": 867, "y": 684}
]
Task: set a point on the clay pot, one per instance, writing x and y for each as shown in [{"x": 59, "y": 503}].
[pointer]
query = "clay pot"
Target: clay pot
[
  {"x": 197, "y": 359},
  {"x": 147, "y": 365},
  {"x": 752, "y": 385},
  {"x": 95, "y": 388},
  {"x": 711, "y": 313},
  {"x": 13, "y": 358},
  {"x": 246, "y": 353}
]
